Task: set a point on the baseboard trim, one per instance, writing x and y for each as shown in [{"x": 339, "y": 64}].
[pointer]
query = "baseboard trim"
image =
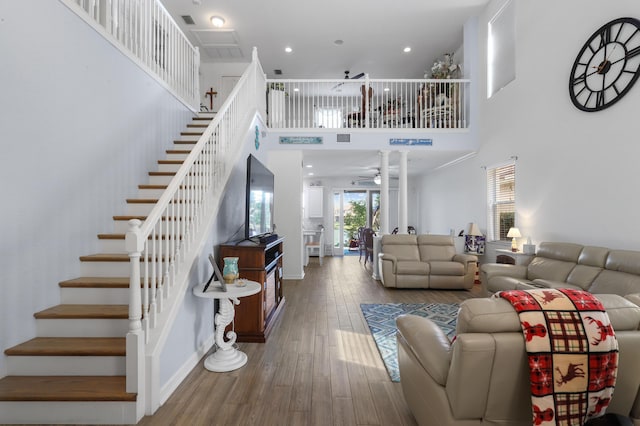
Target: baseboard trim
[{"x": 167, "y": 390}]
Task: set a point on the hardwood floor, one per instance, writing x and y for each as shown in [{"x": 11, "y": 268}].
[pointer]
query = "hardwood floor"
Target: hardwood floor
[{"x": 319, "y": 366}]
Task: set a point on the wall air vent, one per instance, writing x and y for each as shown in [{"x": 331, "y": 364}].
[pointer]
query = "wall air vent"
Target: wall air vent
[
  {"x": 188, "y": 20},
  {"x": 343, "y": 137}
]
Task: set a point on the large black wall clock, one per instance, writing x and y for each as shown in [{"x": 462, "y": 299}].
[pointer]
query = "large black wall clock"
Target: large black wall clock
[{"x": 607, "y": 66}]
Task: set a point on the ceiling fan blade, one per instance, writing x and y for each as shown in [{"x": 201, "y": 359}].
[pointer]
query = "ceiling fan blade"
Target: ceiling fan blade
[{"x": 357, "y": 76}]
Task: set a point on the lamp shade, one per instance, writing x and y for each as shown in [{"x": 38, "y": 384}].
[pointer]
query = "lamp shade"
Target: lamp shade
[
  {"x": 514, "y": 233},
  {"x": 474, "y": 230}
]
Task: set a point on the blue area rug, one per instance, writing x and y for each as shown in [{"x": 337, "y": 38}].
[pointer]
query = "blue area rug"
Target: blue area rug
[{"x": 381, "y": 319}]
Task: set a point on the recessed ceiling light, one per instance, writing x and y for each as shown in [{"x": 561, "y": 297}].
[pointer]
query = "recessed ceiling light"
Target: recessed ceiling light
[
  {"x": 288, "y": 49},
  {"x": 407, "y": 49},
  {"x": 217, "y": 21},
  {"x": 308, "y": 166},
  {"x": 338, "y": 42},
  {"x": 310, "y": 174},
  {"x": 386, "y": 89},
  {"x": 295, "y": 89}
]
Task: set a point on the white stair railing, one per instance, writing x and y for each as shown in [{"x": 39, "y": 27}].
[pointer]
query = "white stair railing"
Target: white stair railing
[
  {"x": 145, "y": 32},
  {"x": 162, "y": 247}
]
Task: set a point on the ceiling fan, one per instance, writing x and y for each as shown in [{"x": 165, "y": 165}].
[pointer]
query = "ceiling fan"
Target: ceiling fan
[
  {"x": 370, "y": 180},
  {"x": 346, "y": 77}
]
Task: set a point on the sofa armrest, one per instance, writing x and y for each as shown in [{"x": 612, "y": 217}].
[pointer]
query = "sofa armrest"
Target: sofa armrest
[
  {"x": 489, "y": 270},
  {"x": 389, "y": 257},
  {"x": 465, "y": 258},
  {"x": 428, "y": 343}
]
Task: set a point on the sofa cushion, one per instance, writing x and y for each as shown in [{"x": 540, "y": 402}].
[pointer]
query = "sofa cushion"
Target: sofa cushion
[
  {"x": 436, "y": 247},
  {"x": 613, "y": 282},
  {"x": 501, "y": 283},
  {"x": 410, "y": 267},
  {"x": 439, "y": 267},
  {"x": 568, "y": 252},
  {"x": 624, "y": 261},
  {"x": 583, "y": 276},
  {"x": 403, "y": 247},
  {"x": 593, "y": 256},
  {"x": 549, "y": 269}
]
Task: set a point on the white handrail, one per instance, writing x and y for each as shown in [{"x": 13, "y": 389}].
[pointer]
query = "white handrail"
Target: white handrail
[
  {"x": 368, "y": 103},
  {"x": 160, "y": 246},
  {"x": 145, "y": 32}
]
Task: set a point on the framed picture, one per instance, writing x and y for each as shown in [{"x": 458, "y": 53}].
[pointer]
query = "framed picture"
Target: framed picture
[
  {"x": 474, "y": 244},
  {"x": 215, "y": 275}
]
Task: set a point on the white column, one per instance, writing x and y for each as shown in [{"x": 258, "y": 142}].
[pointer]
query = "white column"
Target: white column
[
  {"x": 384, "y": 192},
  {"x": 402, "y": 195}
]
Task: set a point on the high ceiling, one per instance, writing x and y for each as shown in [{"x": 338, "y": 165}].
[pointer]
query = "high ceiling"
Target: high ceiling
[{"x": 373, "y": 34}]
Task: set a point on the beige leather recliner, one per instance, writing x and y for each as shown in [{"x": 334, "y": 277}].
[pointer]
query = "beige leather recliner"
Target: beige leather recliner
[
  {"x": 483, "y": 377},
  {"x": 425, "y": 261}
]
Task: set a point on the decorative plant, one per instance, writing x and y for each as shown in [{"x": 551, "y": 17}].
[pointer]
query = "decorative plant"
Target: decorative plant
[
  {"x": 276, "y": 86},
  {"x": 445, "y": 68}
]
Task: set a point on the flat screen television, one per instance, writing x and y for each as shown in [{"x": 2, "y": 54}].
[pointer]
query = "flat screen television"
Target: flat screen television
[{"x": 259, "y": 203}]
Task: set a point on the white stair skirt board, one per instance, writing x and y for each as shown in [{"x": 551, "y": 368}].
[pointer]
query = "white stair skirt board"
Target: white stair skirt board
[
  {"x": 52, "y": 412},
  {"x": 66, "y": 365}
]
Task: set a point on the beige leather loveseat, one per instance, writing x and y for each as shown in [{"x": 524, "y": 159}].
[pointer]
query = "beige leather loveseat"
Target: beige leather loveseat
[
  {"x": 425, "y": 261},
  {"x": 483, "y": 377},
  {"x": 566, "y": 265}
]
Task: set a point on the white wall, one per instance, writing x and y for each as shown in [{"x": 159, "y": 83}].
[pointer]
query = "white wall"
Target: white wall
[
  {"x": 81, "y": 126},
  {"x": 211, "y": 78},
  {"x": 576, "y": 173},
  {"x": 287, "y": 167}
]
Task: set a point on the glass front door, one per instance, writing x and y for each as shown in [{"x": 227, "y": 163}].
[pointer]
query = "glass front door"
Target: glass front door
[{"x": 350, "y": 211}]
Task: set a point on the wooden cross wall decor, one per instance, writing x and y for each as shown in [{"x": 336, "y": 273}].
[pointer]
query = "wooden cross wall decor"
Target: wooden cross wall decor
[{"x": 210, "y": 94}]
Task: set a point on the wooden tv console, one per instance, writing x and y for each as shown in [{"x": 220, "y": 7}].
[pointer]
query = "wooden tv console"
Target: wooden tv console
[{"x": 262, "y": 263}]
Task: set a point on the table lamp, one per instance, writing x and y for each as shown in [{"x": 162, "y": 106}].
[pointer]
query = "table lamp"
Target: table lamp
[{"x": 513, "y": 234}]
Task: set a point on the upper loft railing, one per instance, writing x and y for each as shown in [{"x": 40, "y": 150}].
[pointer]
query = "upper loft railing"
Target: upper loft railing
[
  {"x": 145, "y": 32},
  {"x": 368, "y": 104}
]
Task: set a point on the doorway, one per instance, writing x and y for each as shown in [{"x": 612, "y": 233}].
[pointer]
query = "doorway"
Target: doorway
[{"x": 352, "y": 209}]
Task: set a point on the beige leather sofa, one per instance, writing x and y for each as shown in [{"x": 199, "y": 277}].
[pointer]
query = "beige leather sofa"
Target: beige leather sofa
[
  {"x": 425, "y": 261},
  {"x": 597, "y": 270},
  {"x": 483, "y": 378}
]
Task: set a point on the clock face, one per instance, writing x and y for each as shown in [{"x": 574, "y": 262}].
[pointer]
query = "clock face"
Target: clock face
[{"x": 607, "y": 66}]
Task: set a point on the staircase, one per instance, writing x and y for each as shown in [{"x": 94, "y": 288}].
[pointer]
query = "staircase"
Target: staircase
[{"x": 74, "y": 371}]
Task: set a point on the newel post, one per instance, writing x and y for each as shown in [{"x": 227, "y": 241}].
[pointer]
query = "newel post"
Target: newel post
[{"x": 135, "y": 336}]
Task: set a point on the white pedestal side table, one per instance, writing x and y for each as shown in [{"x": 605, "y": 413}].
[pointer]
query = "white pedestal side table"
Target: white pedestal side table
[{"x": 226, "y": 357}]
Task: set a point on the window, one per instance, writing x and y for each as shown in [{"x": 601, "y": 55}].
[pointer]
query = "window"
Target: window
[
  {"x": 501, "y": 201},
  {"x": 330, "y": 118},
  {"x": 501, "y": 49}
]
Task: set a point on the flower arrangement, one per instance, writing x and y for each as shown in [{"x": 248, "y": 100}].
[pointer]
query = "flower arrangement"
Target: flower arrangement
[{"x": 445, "y": 68}]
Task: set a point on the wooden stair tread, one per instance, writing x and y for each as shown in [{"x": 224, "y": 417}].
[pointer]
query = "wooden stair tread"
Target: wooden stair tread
[
  {"x": 105, "y": 257},
  {"x": 197, "y": 125},
  {"x": 191, "y": 133},
  {"x": 84, "y": 312},
  {"x": 128, "y": 218},
  {"x": 170, "y": 161},
  {"x": 178, "y": 151},
  {"x": 123, "y": 236},
  {"x": 147, "y": 186},
  {"x": 162, "y": 173},
  {"x": 142, "y": 200},
  {"x": 64, "y": 388},
  {"x": 184, "y": 142},
  {"x": 96, "y": 282},
  {"x": 70, "y": 346}
]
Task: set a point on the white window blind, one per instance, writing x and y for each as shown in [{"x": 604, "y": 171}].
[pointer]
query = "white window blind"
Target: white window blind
[{"x": 501, "y": 201}]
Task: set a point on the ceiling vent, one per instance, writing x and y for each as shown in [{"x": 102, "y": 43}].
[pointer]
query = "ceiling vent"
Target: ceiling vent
[
  {"x": 343, "y": 137},
  {"x": 188, "y": 20},
  {"x": 277, "y": 72}
]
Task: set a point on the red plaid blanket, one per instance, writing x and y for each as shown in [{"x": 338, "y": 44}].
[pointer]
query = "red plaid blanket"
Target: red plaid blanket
[{"x": 572, "y": 351}]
